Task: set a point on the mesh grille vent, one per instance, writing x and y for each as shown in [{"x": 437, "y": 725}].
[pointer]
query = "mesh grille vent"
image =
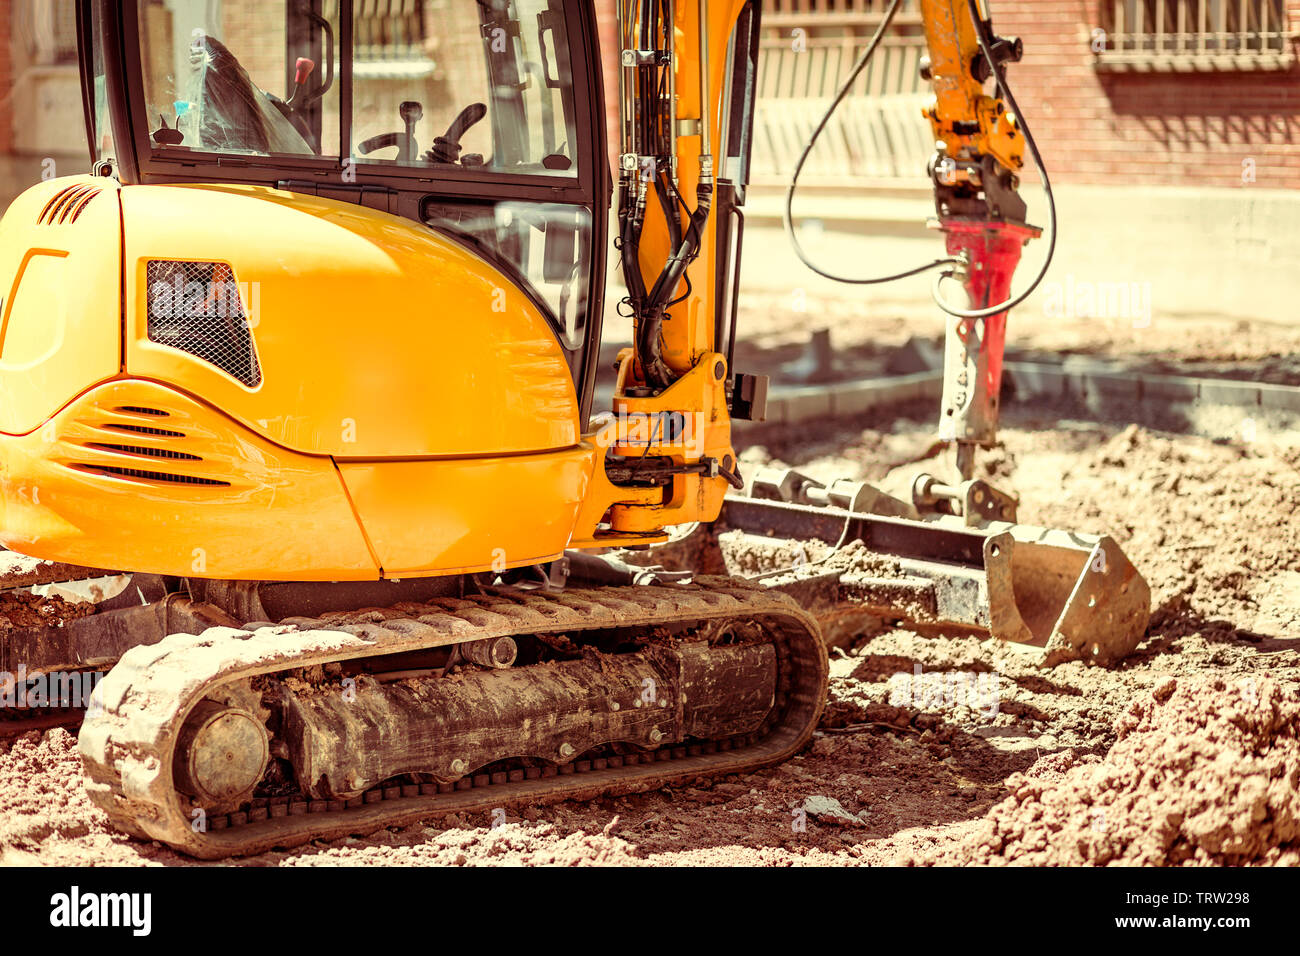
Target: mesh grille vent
[{"x": 196, "y": 307}]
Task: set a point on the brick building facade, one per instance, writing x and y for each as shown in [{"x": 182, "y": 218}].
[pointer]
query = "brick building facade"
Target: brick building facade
[
  {"x": 1095, "y": 125},
  {"x": 6, "y": 79},
  {"x": 1209, "y": 93},
  {"x": 1152, "y": 127}
]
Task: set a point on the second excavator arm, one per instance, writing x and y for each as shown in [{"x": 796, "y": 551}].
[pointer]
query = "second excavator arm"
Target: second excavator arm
[{"x": 981, "y": 146}]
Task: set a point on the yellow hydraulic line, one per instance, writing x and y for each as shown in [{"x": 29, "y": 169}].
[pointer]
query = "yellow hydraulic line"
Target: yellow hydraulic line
[{"x": 703, "y": 31}]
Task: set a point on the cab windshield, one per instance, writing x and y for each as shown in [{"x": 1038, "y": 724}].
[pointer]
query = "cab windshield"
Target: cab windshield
[{"x": 471, "y": 84}]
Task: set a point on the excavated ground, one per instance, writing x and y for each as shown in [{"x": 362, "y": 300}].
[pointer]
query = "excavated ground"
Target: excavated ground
[{"x": 944, "y": 750}]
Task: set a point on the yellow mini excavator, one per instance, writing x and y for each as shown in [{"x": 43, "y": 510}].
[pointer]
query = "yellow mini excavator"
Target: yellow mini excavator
[{"x": 296, "y": 418}]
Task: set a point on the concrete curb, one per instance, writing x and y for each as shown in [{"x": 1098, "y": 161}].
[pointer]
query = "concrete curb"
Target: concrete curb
[{"x": 1094, "y": 382}]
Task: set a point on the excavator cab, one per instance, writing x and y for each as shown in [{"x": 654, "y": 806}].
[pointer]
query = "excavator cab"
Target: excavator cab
[{"x": 479, "y": 120}]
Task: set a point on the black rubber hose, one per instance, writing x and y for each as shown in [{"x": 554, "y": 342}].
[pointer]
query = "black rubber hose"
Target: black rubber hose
[
  {"x": 861, "y": 65},
  {"x": 686, "y": 252},
  {"x": 656, "y": 370},
  {"x": 668, "y": 204}
]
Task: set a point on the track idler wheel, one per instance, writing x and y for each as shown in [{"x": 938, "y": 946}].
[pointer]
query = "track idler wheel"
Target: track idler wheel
[{"x": 221, "y": 756}]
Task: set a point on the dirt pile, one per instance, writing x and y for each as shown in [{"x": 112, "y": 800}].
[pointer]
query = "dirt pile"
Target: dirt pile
[
  {"x": 1205, "y": 771},
  {"x": 24, "y": 609},
  {"x": 1230, "y": 519},
  {"x": 910, "y": 746},
  {"x": 1225, "y": 517},
  {"x": 41, "y": 792},
  {"x": 505, "y": 844}
]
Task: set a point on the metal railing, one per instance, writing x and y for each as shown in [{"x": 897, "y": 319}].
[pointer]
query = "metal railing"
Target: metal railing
[
  {"x": 834, "y": 12},
  {"x": 1218, "y": 34},
  {"x": 807, "y": 49},
  {"x": 790, "y": 68}
]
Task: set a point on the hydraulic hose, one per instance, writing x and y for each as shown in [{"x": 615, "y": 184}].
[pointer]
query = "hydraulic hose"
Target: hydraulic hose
[
  {"x": 981, "y": 32},
  {"x": 844, "y": 91}
]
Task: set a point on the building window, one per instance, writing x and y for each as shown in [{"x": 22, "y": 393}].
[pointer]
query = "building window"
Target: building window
[{"x": 1194, "y": 35}]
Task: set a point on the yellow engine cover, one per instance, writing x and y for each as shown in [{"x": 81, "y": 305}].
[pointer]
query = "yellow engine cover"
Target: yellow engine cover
[
  {"x": 61, "y": 279},
  {"x": 414, "y": 413},
  {"x": 376, "y": 338}
]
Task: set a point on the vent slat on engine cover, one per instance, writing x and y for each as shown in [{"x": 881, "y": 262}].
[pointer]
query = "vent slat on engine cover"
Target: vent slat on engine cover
[
  {"x": 197, "y": 307},
  {"x": 145, "y": 430},
  {"x": 67, "y": 204},
  {"x": 145, "y": 451},
  {"x": 159, "y": 476}
]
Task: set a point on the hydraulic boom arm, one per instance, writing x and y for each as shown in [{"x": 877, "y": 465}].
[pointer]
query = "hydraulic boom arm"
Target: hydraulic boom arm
[{"x": 670, "y": 459}]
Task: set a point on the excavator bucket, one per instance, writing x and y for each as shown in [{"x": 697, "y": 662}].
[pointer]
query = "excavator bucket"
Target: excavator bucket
[{"x": 1058, "y": 595}]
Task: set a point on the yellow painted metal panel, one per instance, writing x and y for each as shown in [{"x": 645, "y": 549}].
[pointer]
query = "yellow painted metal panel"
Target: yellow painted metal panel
[
  {"x": 139, "y": 477},
  {"x": 377, "y": 337},
  {"x": 473, "y": 515},
  {"x": 60, "y": 320}
]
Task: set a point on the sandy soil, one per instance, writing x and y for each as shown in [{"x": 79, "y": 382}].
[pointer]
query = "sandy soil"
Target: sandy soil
[{"x": 943, "y": 750}]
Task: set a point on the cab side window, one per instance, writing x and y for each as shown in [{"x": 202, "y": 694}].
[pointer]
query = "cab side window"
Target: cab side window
[{"x": 481, "y": 84}]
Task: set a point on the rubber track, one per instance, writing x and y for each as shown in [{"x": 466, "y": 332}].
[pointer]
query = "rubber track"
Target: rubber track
[
  {"x": 14, "y": 724},
  {"x": 131, "y": 728}
]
